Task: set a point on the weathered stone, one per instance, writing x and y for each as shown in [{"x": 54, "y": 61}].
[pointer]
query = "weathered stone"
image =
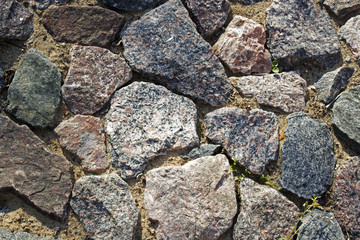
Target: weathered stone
[
  {"x": 44, "y": 4},
  {"x": 16, "y": 22},
  {"x": 350, "y": 33},
  {"x": 250, "y": 2},
  {"x": 297, "y": 29},
  {"x": 164, "y": 45},
  {"x": 285, "y": 91},
  {"x": 132, "y": 4},
  {"x": 204, "y": 151},
  {"x": 241, "y": 47},
  {"x": 6, "y": 235},
  {"x": 307, "y": 156},
  {"x": 82, "y": 25},
  {"x": 145, "y": 121},
  {"x": 264, "y": 214},
  {"x": 34, "y": 94},
  {"x": 2, "y": 80},
  {"x": 85, "y": 137},
  {"x": 251, "y": 137},
  {"x": 193, "y": 201},
  {"x": 341, "y": 8},
  {"x": 94, "y": 75},
  {"x": 105, "y": 207},
  {"x": 43, "y": 178}
]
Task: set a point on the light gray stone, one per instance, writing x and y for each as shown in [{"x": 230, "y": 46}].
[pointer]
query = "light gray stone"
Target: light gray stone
[
  {"x": 6, "y": 235},
  {"x": 341, "y": 8},
  {"x": 350, "y": 33}
]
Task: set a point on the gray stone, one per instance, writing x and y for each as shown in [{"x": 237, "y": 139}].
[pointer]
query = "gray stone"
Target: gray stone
[
  {"x": 264, "y": 214},
  {"x": 164, "y": 45},
  {"x": 44, "y": 4},
  {"x": 145, "y": 121},
  {"x": 6, "y": 235},
  {"x": 203, "y": 151},
  {"x": 285, "y": 91},
  {"x": 250, "y": 2},
  {"x": 297, "y": 29},
  {"x": 350, "y": 33},
  {"x": 34, "y": 94},
  {"x": 307, "y": 156},
  {"x": 250, "y": 137},
  {"x": 2, "y": 80},
  {"x": 193, "y": 201},
  {"x": 341, "y": 8},
  {"x": 105, "y": 207},
  {"x": 132, "y": 4}
]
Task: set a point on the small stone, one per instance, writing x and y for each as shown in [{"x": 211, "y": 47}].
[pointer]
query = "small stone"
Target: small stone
[
  {"x": 307, "y": 156},
  {"x": 341, "y": 8},
  {"x": 250, "y": 137},
  {"x": 203, "y": 151},
  {"x": 350, "y": 33},
  {"x": 44, "y": 4},
  {"x": 2, "y": 80},
  {"x": 131, "y": 5},
  {"x": 193, "y": 201},
  {"x": 250, "y": 2},
  {"x": 105, "y": 207},
  {"x": 241, "y": 47},
  {"x": 34, "y": 94},
  {"x": 348, "y": 59},
  {"x": 264, "y": 214},
  {"x": 94, "y": 75},
  {"x": 6, "y": 235}
]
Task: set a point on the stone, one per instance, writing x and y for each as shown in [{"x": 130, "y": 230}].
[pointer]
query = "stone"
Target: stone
[
  {"x": 82, "y": 25},
  {"x": 193, "y": 201},
  {"x": 347, "y": 197},
  {"x": 132, "y": 5},
  {"x": 94, "y": 75},
  {"x": 332, "y": 83},
  {"x": 203, "y": 151},
  {"x": 6, "y": 235},
  {"x": 84, "y": 136},
  {"x": 319, "y": 225},
  {"x": 26, "y": 166},
  {"x": 2, "y": 80},
  {"x": 264, "y": 214},
  {"x": 307, "y": 156},
  {"x": 44, "y": 4},
  {"x": 241, "y": 47},
  {"x": 350, "y": 33},
  {"x": 285, "y": 91},
  {"x": 105, "y": 207},
  {"x": 164, "y": 46},
  {"x": 208, "y": 15},
  {"x": 296, "y": 29},
  {"x": 341, "y": 8},
  {"x": 249, "y": 137},
  {"x": 145, "y": 121},
  {"x": 34, "y": 94},
  {"x": 16, "y": 22},
  {"x": 250, "y": 2}
]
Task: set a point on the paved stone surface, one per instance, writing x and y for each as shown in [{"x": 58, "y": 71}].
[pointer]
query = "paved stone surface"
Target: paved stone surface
[
  {"x": 145, "y": 121},
  {"x": 131, "y": 4},
  {"x": 43, "y": 178},
  {"x": 241, "y": 47},
  {"x": 285, "y": 91},
  {"x": 6, "y": 235},
  {"x": 251, "y": 137},
  {"x": 307, "y": 156},
  {"x": 193, "y": 201},
  {"x": 34, "y": 94},
  {"x": 341, "y": 8},
  {"x": 265, "y": 213},
  {"x": 105, "y": 207},
  {"x": 94, "y": 75},
  {"x": 350, "y": 33},
  {"x": 82, "y": 25},
  {"x": 297, "y": 29},
  {"x": 203, "y": 151},
  {"x": 164, "y": 45},
  {"x": 84, "y": 136}
]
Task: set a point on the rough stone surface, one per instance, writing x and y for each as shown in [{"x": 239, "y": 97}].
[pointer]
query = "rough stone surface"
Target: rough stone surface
[
  {"x": 300, "y": 33},
  {"x": 43, "y": 178},
  {"x": 250, "y": 2},
  {"x": 6, "y": 235},
  {"x": 2, "y": 80},
  {"x": 34, "y": 94},
  {"x": 105, "y": 207},
  {"x": 251, "y": 137},
  {"x": 264, "y": 214},
  {"x": 164, "y": 45},
  {"x": 203, "y": 151},
  {"x": 342, "y": 7},
  {"x": 82, "y": 25},
  {"x": 85, "y": 137},
  {"x": 241, "y": 47},
  {"x": 44, "y": 4},
  {"x": 132, "y": 4},
  {"x": 307, "y": 156},
  {"x": 94, "y": 75},
  {"x": 145, "y": 121},
  {"x": 285, "y": 91},
  {"x": 193, "y": 201},
  {"x": 350, "y": 33}
]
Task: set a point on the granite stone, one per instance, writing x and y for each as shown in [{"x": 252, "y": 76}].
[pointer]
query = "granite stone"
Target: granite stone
[
  {"x": 132, "y": 5},
  {"x": 6, "y": 235},
  {"x": 350, "y": 33},
  {"x": 341, "y": 8},
  {"x": 204, "y": 150}
]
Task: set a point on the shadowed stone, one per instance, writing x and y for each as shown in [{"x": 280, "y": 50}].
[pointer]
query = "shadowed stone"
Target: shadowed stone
[
  {"x": 350, "y": 33},
  {"x": 131, "y": 4},
  {"x": 6, "y": 235},
  {"x": 341, "y": 8},
  {"x": 203, "y": 151},
  {"x": 2, "y": 80},
  {"x": 250, "y": 2},
  {"x": 44, "y": 4}
]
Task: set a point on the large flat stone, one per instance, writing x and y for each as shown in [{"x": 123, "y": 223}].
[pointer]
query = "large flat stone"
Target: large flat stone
[
  {"x": 131, "y": 5},
  {"x": 6, "y": 235},
  {"x": 341, "y": 8},
  {"x": 350, "y": 33}
]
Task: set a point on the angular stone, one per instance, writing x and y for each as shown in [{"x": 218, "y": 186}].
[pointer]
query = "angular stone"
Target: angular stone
[
  {"x": 307, "y": 156},
  {"x": 250, "y": 2},
  {"x": 285, "y": 91},
  {"x": 44, "y": 4},
  {"x": 94, "y": 75},
  {"x": 250, "y": 137},
  {"x": 264, "y": 214},
  {"x": 34, "y": 94},
  {"x": 342, "y": 7},
  {"x": 164, "y": 45},
  {"x": 16, "y": 22},
  {"x": 85, "y": 137},
  {"x": 350, "y": 33},
  {"x": 82, "y": 25},
  {"x": 241, "y": 47},
  {"x": 131, "y": 5},
  {"x": 6, "y": 235},
  {"x": 26, "y": 166},
  {"x": 145, "y": 121},
  {"x": 105, "y": 207},
  {"x": 296, "y": 30},
  {"x": 193, "y": 201},
  {"x": 204, "y": 151}
]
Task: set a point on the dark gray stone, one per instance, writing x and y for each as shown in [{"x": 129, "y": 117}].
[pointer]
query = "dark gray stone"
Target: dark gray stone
[
  {"x": 6, "y": 235},
  {"x": 341, "y": 8},
  {"x": 350, "y": 33},
  {"x": 2, "y": 80},
  {"x": 250, "y": 2},
  {"x": 203, "y": 151},
  {"x": 44, "y": 4},
  {"x": 132, "y": 4}
]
